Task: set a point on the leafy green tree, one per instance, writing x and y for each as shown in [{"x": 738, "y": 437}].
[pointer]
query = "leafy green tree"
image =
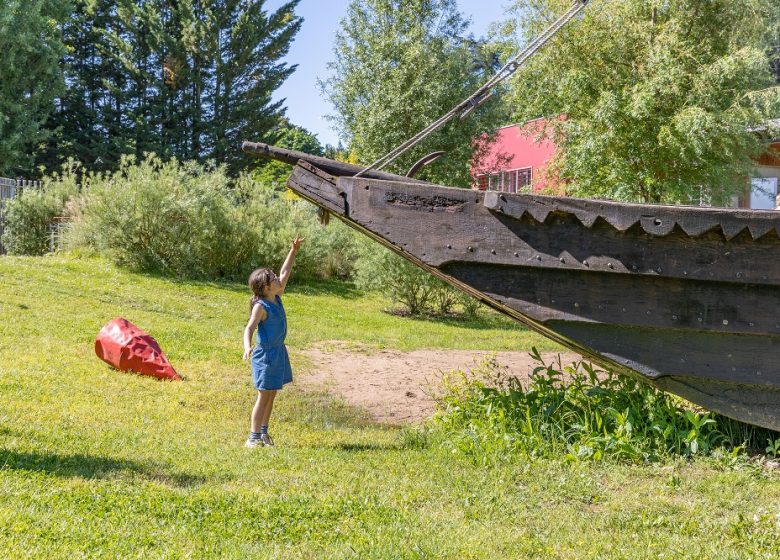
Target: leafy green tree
[
  {"x": 273, "y": 174},
  {"x": 338, "y": 152},
  {"x": 399, "y": 65},
  {"x": 651, "y": 100},
  {"x": 774, "y": 51},
  {"x": 31, "y": 47}
]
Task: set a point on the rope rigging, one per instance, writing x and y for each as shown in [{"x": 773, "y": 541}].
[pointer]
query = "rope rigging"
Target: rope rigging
[{"x": 468, "y": 105}]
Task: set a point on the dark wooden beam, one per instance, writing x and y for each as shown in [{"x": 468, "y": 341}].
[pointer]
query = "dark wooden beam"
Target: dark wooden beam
[
  {"x": 688, "y": 305},
  {"x": 332, "y": 167}
]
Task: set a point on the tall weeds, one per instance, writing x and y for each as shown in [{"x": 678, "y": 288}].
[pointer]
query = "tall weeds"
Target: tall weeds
[{"x": 578, "y": 413}]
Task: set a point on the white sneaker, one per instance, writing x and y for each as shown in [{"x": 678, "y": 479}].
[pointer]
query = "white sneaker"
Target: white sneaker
[
  {"x": 252, "y": 443},
  {"x": 266, "y": 440}
]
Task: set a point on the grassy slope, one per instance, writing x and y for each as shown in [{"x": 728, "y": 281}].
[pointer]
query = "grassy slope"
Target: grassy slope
[{"x": 95, "y": 463}]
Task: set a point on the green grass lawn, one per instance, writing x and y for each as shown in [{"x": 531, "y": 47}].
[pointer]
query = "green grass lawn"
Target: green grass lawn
[{"x": 100, "y": 464}]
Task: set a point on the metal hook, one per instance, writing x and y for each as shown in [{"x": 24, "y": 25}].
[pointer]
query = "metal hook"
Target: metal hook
[{"x": 422, "y": 162}]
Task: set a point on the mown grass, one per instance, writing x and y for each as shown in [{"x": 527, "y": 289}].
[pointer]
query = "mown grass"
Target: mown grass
[{"x": 99, "y": 464}]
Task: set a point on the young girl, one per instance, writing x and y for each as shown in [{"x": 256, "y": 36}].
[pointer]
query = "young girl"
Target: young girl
[{"x": 270, "y": 363}]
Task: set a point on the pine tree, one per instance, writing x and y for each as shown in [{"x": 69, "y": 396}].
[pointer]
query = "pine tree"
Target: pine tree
[
  {"x": 246, "y": 44},
  {"x": 188, "y": 79},
  {"x": 31, "y": 46},
  {"x": 86, "y": 124}
]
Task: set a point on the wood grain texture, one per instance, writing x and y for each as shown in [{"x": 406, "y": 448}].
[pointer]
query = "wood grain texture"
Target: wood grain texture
[
  {"x": 332, "y": 167},
  {"x": 689, "y": 305},
  {"x": 655, "y": 219}
]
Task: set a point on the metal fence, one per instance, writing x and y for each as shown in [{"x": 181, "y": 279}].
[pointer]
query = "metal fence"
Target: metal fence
[
  {"x": 9, "y": 188},
  {"x": 57, "y": 231}
]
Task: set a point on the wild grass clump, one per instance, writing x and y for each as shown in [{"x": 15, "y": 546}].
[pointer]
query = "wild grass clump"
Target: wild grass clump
[{"x": 577, "y": 412}]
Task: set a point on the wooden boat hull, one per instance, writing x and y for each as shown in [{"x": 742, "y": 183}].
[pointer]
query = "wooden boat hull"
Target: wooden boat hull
[{"x": 684, "y": 298}]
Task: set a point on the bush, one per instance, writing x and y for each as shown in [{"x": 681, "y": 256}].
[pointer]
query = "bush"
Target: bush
[
  {"x": 579, "y": 413},
  {"x": 470, "y": 305},
  {"x": 190, "y": 220},
  {"x": 174, "y": 218},
  {"x": 329, "y": 251},
  {"x": 403, "y": 283},
  {"x": 29, "y": 215}
]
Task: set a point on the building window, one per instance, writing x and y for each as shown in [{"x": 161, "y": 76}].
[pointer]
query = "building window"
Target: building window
[
  {"x": 514, "y": 181},
  {"x": 763, "y": 193}
]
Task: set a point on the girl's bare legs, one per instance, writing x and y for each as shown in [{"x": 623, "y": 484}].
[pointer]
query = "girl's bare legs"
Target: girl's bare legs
[
  {"x": 268, "y": 405},
  {"x": 261, "y": 412},
  {"x": 257, "y": 412}
]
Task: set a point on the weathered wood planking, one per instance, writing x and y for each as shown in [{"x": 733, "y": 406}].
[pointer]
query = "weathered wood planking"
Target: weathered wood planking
[
  {"x": 320, "y": 187},
  {"x": 688, "y": 304},
  {"x": 654, "y": 219},
  {"x": 332, "y": 167}
]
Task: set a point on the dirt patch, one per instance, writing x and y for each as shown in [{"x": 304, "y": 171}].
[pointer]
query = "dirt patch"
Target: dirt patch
[{"x": 396, "y": 387}]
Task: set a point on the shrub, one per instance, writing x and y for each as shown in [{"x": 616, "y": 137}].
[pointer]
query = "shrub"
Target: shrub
[
  {"x": 29, "y": 215},
  {"x": 470, "y": 305},
  {"x": 329, "y": 251},
  {"x": 579, "y": 413},
  {"x": 190, "y": 220},
  {"x": 403, "y": 283},
  {"x": 169, "y": 217}
]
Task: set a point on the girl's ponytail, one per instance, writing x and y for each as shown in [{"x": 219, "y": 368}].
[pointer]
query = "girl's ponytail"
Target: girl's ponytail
[{"x": 252, "y": 301}]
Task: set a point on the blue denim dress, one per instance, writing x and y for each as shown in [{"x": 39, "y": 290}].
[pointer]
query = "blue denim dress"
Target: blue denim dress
[{"x": 270, "y": 363}]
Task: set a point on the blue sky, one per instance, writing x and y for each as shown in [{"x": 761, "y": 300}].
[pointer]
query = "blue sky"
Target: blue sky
[{"x": 313, "y": 49}]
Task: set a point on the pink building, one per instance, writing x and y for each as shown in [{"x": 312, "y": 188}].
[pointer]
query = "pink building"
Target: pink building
[{"x": 517, "y": 161}]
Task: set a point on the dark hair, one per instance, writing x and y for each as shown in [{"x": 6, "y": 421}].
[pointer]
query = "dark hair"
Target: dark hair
[{"x": 259, "y": 280}]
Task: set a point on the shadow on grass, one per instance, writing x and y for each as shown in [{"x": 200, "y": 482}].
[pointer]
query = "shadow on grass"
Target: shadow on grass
[
  {"x": 14, "y": 305},
  {"x": 91, "y": 467},
  {"x": 484, "y": 321},
  {"x": 360, "y": 447},
  {"x": 309, "y": 286},
  {"x": 322, "y": 410},
  {"x": 334, "y": 288}
]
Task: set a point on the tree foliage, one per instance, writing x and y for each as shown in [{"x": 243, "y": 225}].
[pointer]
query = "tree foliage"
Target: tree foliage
[
  {"x": 273, "y": 174},
  {"x": 652, "y": 100},
  {"x": 186, "y": 79},
  {"x": 399, "y": 65},
  {"x": 31, "y": 47}
]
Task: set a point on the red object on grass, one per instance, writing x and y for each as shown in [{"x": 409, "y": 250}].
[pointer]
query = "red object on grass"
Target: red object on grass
[{"x": 126, "y": 347}]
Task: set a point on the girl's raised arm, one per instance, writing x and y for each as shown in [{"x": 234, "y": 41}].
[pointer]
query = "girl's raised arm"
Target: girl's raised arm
[{"x": 284, "y": 274}]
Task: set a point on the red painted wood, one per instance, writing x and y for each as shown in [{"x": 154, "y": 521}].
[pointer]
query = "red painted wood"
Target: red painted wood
[{"x": 772, "y": 159}]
